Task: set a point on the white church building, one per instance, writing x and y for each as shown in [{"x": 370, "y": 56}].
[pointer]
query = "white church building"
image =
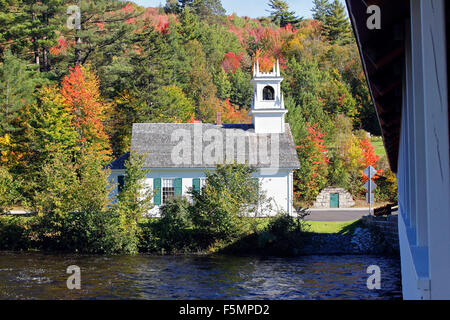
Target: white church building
[{"x": 177, "y": 155}]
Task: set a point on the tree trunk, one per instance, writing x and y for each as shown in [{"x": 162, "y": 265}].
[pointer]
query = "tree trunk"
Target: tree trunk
[{"x": 35, "y": 45}]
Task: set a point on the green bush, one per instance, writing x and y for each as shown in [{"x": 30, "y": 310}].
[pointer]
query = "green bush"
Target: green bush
[
  {"x": 282, "y": 236},
  {"x": 76, "y": 214},
  {"x": 219, "y": 210},
  {"x": 174, "y": 228},
  {"x": 15, "y": 232},
  {"x": 387, "y": 189},
  {"x": 86, "y": 232},
  {"x": 9, "y": 190},
  {"x": 148, "y": 238}
]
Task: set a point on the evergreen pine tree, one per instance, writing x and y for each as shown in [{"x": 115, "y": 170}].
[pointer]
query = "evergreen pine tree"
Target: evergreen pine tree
[
  {"x": 17, "y": 85},
  {"x": 337, "y": 25},
  {"x": 203, "y": 8},
  {"x": 320, "y": 10},
  {"x": 172, "y": 6},
  {"x": 103, "y": 24},
  {"x": 280, "y": 13},
  {"x": 28, "y": 28}
]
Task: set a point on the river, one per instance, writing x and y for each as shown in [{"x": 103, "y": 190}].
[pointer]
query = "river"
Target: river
[{"x": 43, "y": 276}]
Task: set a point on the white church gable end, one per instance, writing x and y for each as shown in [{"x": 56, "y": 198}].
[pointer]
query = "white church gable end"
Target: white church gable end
[{"x": 178, "y": 154}]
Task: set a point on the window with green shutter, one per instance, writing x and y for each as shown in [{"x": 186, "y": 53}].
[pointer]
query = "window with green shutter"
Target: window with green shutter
[
  {"x": 178, "y": 184},
  {"x": 121, "y": 183},
  {"x": 196, "y": 184},
  {"x": 157, "y": 189}
]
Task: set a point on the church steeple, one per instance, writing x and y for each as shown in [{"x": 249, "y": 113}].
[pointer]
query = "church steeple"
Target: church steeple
[{"x": 267, "y": 109}]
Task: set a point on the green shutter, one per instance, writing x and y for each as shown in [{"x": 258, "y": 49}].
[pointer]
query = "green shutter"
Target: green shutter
[
  {"x": 178, "y": 184},
  {"x": 121, "y": 183},
  {"x": 196, "y": 184},
  {"x": 157, "y": 189}
]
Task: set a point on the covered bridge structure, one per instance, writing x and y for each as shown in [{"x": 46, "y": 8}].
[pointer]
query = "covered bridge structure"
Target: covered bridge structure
[{"x": 406, "y": 64}]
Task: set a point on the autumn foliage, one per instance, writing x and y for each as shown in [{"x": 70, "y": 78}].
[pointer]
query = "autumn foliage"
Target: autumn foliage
[
  {"x": 81, "y": 93},
  {"x": 231, "y": 114},
  {"x": 369, "y": 158},
  {"x": 313, "y": 155},
  {"x": 231, "y": 62}
]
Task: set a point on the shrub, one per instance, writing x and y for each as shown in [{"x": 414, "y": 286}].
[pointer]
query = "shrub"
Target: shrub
[
  {"x": 133, "y": 202},
  {"x": 75, "y": 213},
  {"x": 148, "y": 238},
  {"x": 174, "y": 228},
  {"x": 9, "y": 190},
  {"x": 282, "y": 236},
  {"x": 86, "y": 232},
  {"x": 230, "y": 195},
  {"x": 387, "y": 189},
  {"x": 15, "y": 232}
]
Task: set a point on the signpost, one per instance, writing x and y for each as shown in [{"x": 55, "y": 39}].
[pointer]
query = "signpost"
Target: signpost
[{"x": 370, "y": 186}]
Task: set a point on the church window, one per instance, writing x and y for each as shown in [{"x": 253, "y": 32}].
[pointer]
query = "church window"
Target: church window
[
  {"x": 168, "y": 189},
  {"x": 268, "y": 93}
]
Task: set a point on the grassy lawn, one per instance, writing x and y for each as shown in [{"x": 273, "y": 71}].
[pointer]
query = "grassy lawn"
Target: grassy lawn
[
  {"x": 332, "y": 227},
  {"x": 377, "y": 143}
]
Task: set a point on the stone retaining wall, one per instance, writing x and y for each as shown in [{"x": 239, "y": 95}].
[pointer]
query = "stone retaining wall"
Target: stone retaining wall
[{"x": 387, "y": 226}]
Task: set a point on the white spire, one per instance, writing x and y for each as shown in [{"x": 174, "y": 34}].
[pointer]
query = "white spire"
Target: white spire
[
  {"x": 278, "y": 68},
  {"x": 257, "y": 66}
]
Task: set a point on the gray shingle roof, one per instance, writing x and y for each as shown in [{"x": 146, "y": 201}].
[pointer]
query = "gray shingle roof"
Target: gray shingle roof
[{"x": 165, "y": 144}]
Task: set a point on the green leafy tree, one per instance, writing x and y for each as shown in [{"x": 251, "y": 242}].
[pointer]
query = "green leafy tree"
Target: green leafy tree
[
  {"x": 171, "y": 105},
  {"x": 338, "y": 174},
  {"x": 304, "y": 88},
  {"x": 51, "y": 129},
  {"x": 223, "y": 84},
  {"x": 72, "y": 205},
  {"x": 190, "y": 25},
  {"x": 220, "y": 208},
  {"x": 133, "y": 201},
  {"x": 9, "y": 190},
  {"x": 174, "y": 228}
]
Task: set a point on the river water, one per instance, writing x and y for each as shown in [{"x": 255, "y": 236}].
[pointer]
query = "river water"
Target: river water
[{"x": 43, "y": 276}]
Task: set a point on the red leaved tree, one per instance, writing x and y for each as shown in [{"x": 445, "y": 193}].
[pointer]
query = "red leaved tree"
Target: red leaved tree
[
  {"x": 231, "y": 62},
  {"x": 80, "y": 89},
  {"x": 312, "y": 175},
  {"x": 369, "y": 158}
]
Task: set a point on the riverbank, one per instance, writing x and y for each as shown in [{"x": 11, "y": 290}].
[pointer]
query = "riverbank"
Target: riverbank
[
  {"x": 280, "y": 236},
  {"x": 355, "y": 237}
]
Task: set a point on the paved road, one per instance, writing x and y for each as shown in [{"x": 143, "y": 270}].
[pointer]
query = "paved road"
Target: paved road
[{"x": 336, "y": 214}]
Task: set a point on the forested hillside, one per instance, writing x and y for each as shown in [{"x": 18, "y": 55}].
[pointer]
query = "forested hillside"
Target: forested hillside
[{"x": 70, "y": 93}]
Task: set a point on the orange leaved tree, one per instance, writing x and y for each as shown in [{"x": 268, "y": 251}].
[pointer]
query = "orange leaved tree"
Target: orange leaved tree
[{"x": 80, "y": 89}]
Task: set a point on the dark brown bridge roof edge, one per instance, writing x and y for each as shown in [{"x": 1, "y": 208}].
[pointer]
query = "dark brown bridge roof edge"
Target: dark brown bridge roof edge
[{"x": 382, "y": 53}]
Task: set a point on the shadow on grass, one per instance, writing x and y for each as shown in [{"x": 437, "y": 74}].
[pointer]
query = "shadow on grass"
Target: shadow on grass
[{"x": 350, "y": 229}]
